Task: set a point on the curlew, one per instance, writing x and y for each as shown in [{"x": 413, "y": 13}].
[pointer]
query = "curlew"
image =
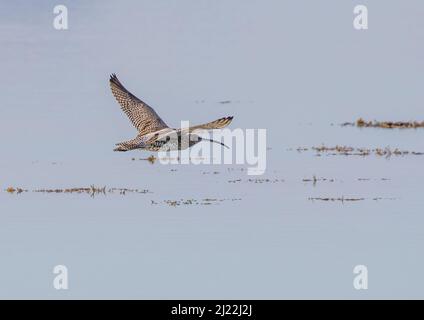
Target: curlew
[{"x": 153, "y": 133}]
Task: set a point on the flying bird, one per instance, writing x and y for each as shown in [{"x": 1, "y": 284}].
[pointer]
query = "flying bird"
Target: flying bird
[{"x": 153, "y": 133}]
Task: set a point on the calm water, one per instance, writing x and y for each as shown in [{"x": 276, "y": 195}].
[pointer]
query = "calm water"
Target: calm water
[{"x": 295, "y": 68}]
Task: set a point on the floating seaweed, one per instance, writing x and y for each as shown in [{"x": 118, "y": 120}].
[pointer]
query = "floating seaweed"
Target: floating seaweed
[
  {"x": 344, "y": 199},
  {"x": 368, "y": 179},
  {"x": 236, "y": 169},
  {"x": 201, "y": 202},
  {"x": 361, "y": 123},
  {"x": 210, "y": 172},
  {"x": 123, "y": 191},
  {"x": 346, "y": 124},
  {"x": 92, "y": 190},
  {"x": 266, "y": 180},
  {"x": 257, "y": 180},
  {"x": 15, "y": 190},
  {"x": 11, "y": 190},
  {"x": 232, "y": 101},
  {"x": 351, "y": 151},
  {"x": 314, "y": 180},
  {"x": 152, "y": 159}
]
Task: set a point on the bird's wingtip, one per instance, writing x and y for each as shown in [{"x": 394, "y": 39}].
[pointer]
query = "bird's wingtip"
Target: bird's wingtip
[{"x": 113, "y": 77}]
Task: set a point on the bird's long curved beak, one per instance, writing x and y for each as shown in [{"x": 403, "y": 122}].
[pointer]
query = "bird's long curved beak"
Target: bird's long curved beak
[{"x": 214, "y": 141}]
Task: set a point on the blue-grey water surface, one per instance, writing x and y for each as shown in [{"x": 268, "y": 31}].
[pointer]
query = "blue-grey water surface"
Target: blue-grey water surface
[{"x": 295, "y": 68}]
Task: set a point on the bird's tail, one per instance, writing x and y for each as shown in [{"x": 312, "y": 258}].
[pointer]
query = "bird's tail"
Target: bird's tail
[
  {"x": 124, "y": 146},
  {"x": 120, "y": 148}
]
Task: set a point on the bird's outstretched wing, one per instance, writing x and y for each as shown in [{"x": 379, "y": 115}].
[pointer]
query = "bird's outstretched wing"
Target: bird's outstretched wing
[
  {"x": 142, "y": 116},
  {"x": 217, "y": 124}
]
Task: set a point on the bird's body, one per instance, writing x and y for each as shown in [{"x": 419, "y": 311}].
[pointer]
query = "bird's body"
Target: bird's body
[
  {"x": 162, "y": 140},
  {"x": 154, "y": 134}
]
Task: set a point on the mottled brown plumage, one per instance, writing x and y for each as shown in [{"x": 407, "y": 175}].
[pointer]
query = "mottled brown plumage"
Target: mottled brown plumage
[
  {"x": 153, "y": 133},
  {"x": 142, "y": 116}
]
